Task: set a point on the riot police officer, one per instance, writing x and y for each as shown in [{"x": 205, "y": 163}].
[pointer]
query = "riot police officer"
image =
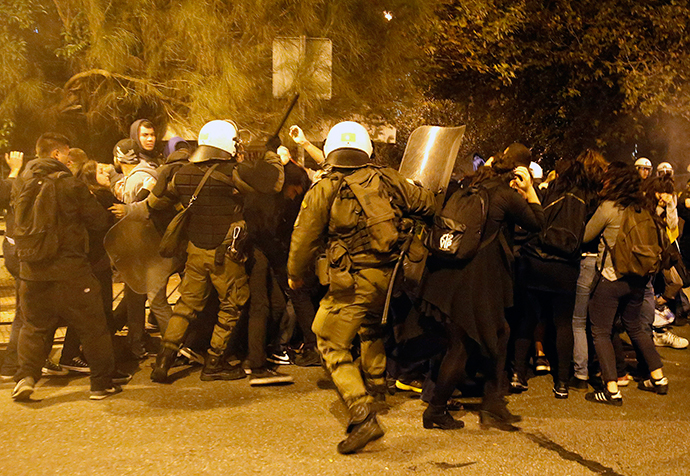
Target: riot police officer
[
  {"x": 358, "y": 208},
  {"x": 215, "y": 214}
]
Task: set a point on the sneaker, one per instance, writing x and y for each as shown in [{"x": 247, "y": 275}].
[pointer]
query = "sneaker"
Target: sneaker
[
  {"x": 121, "y": 378},
  {"x": 578, "y": 383},
  {"x": 657, "y": 386},
  {"x": 606, "y": 397},
  {"x": 264, "y": 376},
  {"x": 23, "y": 390},
  {"x": 560, "y": 390},
  {"x": 518, "y": 384},
  {"x": 192, "y": 356},
  {"x": 6, "y": 378},
  {"x": 77, "y": 364},
  {"x": 625, "y": 380},
  {"x": 409, "y": 386},
  {"x": 541, "y": 365},
  {"x": 51, "y": 369},
  {"x": 215, "y": 368},
  {"x": 279, "y": 358},
  {"x": 101, "y": 394},
  {"x": 669, "y": 339}
]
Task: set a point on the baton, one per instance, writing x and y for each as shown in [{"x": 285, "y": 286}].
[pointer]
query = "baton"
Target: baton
[
  {"x": 389, "y": 294},
  {"x": 287, "y": 114}
]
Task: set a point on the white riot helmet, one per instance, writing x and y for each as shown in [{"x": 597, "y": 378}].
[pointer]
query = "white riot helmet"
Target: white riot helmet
[
  {"x": 218, "y": 134},
  {"x": 535, "y": 169},
  {"x": 664, "y": 168},
  {"x": 643, "y": 162},
  {"x": 348, "y": 145}
]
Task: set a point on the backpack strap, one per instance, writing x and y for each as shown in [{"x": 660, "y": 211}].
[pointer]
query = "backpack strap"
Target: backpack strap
[
  {"x": 201, "y": 184},
  {"x": 365, "y": 195}
]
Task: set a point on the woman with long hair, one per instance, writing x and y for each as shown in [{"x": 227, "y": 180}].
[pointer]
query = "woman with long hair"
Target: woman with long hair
[
  {"x": 469, "y": 297},
  {"x": 616, "y": 293},
  {"x": 595, "y": 167},
  {"x": 548, "y": 270}
]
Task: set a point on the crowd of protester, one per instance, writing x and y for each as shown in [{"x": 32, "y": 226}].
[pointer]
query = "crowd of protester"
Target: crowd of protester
[{"x": 544, "y": 291}]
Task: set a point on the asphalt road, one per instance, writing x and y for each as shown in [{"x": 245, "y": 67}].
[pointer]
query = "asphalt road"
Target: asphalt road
[{"x": 225, "y": 428}]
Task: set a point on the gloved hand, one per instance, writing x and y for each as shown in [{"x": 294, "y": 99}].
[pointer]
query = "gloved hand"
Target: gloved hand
[
  {"x": 273, "y": 143},
  {"x": 297, "y": 135}
]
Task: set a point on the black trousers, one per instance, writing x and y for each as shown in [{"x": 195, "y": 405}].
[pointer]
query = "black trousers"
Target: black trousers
[
  {"x": 266, "y": 307},
  {"x": 556, "y": 311},
  {"x": 624, "y": 297},
  {"x": 70, "y": 348},
  {"x": 453, "y": 366},
  {"x": 78, "y": 302}
]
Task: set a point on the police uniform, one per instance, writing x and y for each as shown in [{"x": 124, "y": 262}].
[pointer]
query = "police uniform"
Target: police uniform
[
  {"x": 217, "y": 209},
  {"x": 357, "y": 272}
]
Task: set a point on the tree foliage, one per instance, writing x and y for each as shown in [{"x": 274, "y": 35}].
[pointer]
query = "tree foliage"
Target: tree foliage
[
  {"x": 187, "y": 62},
  {"x": 569, "y": 74}
]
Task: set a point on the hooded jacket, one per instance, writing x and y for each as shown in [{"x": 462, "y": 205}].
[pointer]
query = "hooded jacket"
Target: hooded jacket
[
  {"x": 78, "y": 212},
  {"x": 149, "y": 156}
]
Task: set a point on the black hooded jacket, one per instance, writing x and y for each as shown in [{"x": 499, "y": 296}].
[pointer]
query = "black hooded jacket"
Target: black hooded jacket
[
  {"x": 78, "y": 212},
  {"x": 154, "y": 156}
]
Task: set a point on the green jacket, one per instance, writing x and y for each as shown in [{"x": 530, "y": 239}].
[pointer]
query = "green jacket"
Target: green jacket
[{"x": 331, "y": 216}]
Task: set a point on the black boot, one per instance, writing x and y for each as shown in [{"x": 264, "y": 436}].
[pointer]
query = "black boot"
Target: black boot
[
  {"x": 215, "y": 368},
  {"x": 437, "y": 416},
  {"x": 495, "y": 414},
  {"x": 363, "y": 429},
  {"x": 164, "y": 361}
]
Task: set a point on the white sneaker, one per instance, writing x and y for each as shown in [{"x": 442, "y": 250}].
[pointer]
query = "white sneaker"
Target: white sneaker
[{"x": 669, "y": 339}]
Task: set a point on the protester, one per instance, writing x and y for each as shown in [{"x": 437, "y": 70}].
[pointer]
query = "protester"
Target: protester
[
  {"x": 56, "y": 279},
  {"x": 615, "y": 291},
  {"x": 595, "y": 166},
  {"x": 548, "y": 270},
  {"x": 470, "y": 297}
]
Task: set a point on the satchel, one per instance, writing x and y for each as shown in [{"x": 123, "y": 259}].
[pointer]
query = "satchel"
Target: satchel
[{"x": 174, "y": 240}]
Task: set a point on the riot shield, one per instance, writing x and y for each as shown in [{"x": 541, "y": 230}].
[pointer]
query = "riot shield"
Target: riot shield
[
  {"x": 132, "y": 246},
  {"x": 430, "y": 155}
]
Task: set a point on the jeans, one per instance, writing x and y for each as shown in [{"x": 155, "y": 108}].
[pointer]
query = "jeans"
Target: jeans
[
  {"x": 625, "y": 294},
  {"x": 584, "y": 286}
]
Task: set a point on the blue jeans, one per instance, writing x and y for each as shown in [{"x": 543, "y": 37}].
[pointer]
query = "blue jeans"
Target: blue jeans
[{"x": 584, "y": 286}]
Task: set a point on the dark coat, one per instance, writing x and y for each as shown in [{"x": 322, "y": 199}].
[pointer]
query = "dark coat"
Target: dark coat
[{"x": 475, "y": 294}]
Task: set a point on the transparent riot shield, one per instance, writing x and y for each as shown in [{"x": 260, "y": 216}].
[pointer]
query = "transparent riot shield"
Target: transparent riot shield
[
  {"x": 430, "y": 155},
  {"x": 132, "y": 246}
]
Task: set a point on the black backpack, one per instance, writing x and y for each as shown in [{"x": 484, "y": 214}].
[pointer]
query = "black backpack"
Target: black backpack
[
  {"x": 457, "y": 230},
  {"x": 36, "y": 217},
  {"x": 565, "y": 220}
]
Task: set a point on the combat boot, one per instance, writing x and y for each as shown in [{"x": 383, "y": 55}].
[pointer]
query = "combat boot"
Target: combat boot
[
  {"x": 164, "y": 360},
  {"x": 363, "y": 429},
  {"x": 215, "y": 368}
]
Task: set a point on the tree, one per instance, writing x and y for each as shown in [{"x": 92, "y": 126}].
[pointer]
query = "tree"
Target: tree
[
  {"x": 568, "y": 74},
  {"x": 187, "y": 62}
]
